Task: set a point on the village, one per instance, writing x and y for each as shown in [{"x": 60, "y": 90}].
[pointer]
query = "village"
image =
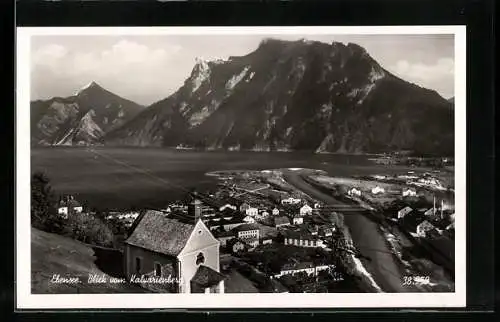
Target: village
[{"x": 274, "y": 238}]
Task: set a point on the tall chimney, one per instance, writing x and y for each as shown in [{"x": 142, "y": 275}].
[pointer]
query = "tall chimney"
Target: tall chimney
[{"x": 434, "y": 205}]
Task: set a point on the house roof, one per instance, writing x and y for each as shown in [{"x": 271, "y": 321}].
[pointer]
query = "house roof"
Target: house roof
[
  {"x": 218, "y": 221},
  {"x": 246, "y": 227},
  {"x": 406, "y": 210},
  {"x": 156, "y": 232},
  {"x": 206, "y": 277},
  {"x": 411, "y": 221},
  {"x": 304, "y": 235},
  {"x": 295, "y": 266},
  {"x": 427, "y": 224},
  {"x": 313, "y": 228},
  {"x": 72, "y": 203},
  {"x": 223, "y": 234},
  {"x": 281, "y": 220},
  {"x": 429, "y": 211},
  {"x": 325, "y": 230}
]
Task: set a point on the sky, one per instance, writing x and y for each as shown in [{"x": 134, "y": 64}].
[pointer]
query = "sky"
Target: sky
[{"x": 146, "y": 69}]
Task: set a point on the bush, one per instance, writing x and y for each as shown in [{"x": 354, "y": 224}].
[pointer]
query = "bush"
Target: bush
[{"x": 90, "y": 230}]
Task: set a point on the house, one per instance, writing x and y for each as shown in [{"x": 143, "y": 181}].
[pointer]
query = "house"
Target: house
[
  {"x": 376, "y": 190},
  {"x": 220, "y": 222},
  {"x": 281, "y": 221},
  {"x": 298, "y": 220},
  {"x": 128, "y": 215},
  {"x": 307, "y": 267},
  {"x": 69, "y": 206},
  {"x": 305, "y": 210},
  {"x": 354, "y": 192},
  {"x": 411, "y": 221},
  {"x": 313, "y": 230},
  {"x": 246, "y": 231},
  {"x": 127, "y": 218},
  {"x": 267, "y": 240},
  {"x": 262, "y": 215},
  {"x": 275, "y": 212},
  {"x": 424, "y": 228},
  {"x": 223, "y": 237},
  {"x": 290, "y": 201},
  {"x": 301, "y": 239},
  {"x": 163, "y": 247},
  {"x": 251, "y": 211},
  {"x": 227, "y": 206},
  {"x": 237, "y": 245},
  {"x": 326, "y": 232},
  {"x": 244, "y": 206},
  {"x": 251, "y": 242},
  {"x": 249, "y": 220},
  {"x": 403, "y": 212},
  {"x": 230, "y": 223},
  {"x": 409, "y": 193}
]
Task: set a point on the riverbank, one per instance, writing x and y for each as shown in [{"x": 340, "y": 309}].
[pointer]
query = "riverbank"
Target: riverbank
[{"x": 377, "y": 257}]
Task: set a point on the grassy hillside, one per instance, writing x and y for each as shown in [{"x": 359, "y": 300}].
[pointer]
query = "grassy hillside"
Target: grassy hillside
[{"x": 52, "y": 254}]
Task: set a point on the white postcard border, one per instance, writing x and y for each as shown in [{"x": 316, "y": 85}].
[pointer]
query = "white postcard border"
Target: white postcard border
[{"x": 26, "y": 300}]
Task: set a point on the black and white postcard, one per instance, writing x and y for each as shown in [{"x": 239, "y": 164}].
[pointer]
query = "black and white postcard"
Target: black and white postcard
[{"x": 240, "y": 167}]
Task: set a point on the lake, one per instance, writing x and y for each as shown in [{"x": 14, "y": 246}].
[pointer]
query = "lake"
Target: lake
[{"x": 121, "y": 178}]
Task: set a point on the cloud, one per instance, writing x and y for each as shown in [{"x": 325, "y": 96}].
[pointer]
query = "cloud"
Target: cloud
[
  {"x": 438, "y": 75},
  {"x": 49, "y": 55},
  {"x": 118, "y": 67},
  {"x": 147, "y": 69}
]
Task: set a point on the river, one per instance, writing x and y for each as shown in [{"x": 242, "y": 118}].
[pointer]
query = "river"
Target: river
[{"x": 366, "y": 238}]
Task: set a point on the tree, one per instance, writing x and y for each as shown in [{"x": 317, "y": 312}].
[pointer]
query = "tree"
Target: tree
[
  {"x": 89, "y": 229},
  {"x": 43, "y": 210}
]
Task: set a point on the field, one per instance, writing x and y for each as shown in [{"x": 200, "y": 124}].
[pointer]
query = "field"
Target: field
[
  {"x": 363, "y": 185},
  {"x": 54, "y": 254}
]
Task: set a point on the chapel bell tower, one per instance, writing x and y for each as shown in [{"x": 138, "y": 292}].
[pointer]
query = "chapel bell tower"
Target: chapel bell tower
[{"x": 194, "y": 207}]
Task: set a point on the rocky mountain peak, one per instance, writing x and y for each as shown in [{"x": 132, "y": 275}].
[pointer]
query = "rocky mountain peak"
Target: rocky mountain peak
[
  {"x": 90, "y": 86},
  {"x": 295, "y": 95},
  {"x": 79, "y": 119}
]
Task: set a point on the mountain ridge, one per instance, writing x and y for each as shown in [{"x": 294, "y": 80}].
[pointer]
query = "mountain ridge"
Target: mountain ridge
[
  {"x": 80, "y": 119},
  {"x": 294, "y": 95}
]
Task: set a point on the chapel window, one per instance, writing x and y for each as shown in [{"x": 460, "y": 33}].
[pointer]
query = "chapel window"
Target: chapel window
[{"x": 200, "y": 259}]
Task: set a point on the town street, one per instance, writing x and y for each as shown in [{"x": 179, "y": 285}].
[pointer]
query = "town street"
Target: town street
[{"x": 366, "y": 238}]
